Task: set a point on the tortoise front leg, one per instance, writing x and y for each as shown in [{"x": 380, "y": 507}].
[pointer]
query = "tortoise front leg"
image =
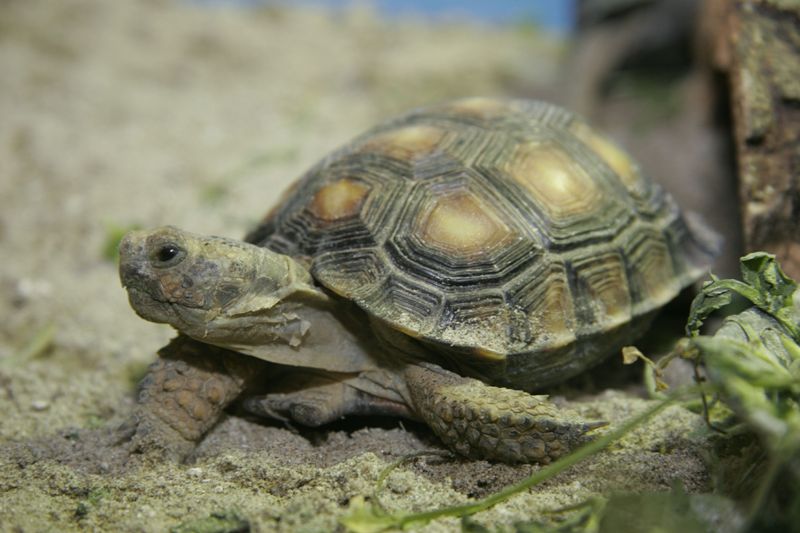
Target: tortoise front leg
[
  {"x": 484, "y": 422},
  {"x": 183, "y": 395}
]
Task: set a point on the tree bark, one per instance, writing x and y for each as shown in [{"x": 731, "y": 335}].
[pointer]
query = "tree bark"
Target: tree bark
[{"x": 757, "y": 44}]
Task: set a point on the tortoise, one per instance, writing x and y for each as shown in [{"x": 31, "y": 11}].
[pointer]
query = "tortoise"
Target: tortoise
[{"x": 440, "y": 267}]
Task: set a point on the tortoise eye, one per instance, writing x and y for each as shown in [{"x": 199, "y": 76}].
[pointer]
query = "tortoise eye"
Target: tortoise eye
[{"x": 168, "y": 254}]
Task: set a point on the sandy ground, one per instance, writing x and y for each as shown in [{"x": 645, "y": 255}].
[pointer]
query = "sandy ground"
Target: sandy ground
[{"x": 146, "y": 113}]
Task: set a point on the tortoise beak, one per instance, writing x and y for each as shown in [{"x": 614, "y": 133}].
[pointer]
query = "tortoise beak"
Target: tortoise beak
[
  {"x": 132, "y": 257},
  {"x": 144, "y": 290}
]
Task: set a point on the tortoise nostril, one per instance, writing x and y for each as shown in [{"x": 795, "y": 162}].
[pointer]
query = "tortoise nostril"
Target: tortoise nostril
[
  {"x": 125, "y": 245},
  {"x": 131, "y": 245},
  {"x": 128, "y": 272}
]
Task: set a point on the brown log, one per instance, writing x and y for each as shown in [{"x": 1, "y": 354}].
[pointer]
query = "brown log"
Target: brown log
[{"x": 757, "y": 43}]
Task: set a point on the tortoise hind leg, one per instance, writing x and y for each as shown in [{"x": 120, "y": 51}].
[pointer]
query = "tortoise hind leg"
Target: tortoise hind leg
[
  {"x": 313, "y": 399},
  {"x": 484, "y": 422}
]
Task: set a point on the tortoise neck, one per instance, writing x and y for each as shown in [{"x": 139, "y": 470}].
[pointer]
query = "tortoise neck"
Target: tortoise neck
[
  {"x": 314, "y": 331},
  {"x": 286, "y": 318}
]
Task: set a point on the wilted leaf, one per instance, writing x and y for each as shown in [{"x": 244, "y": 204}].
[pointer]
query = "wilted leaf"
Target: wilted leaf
[{"x": 631, "y": 354}]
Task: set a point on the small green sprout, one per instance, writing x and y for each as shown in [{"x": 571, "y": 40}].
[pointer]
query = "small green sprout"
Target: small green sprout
[{"x": 114, "y": 234}]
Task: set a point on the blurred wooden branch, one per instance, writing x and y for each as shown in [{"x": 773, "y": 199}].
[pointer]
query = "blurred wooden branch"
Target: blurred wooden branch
[{"x": 756, "y": 43}]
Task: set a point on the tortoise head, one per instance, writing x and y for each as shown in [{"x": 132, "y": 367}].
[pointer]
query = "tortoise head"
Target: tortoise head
[{"x": 207, "y": 287}]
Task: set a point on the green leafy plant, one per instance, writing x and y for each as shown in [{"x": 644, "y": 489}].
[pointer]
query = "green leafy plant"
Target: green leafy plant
[{"x": 752, "y": 364}]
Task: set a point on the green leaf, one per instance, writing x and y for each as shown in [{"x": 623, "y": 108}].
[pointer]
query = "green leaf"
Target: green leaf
[
  {"x": 114, "y": 234},
  {"x": 764, "y": 285},
  {"x": 363, "y": 517},
  {"x": 711, "y": 298},
  {"x": 761, "y": 271}
]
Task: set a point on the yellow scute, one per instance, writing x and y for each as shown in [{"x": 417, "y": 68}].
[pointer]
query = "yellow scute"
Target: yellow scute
[
  {"x": 480, "y": 106},
  {"x": 611, "y": 154},
  {"x": 340, "y": 199},
  {"x": 560, "y": 186},
  {"x": 408, "y": 141},
  {"x": 462, "y": 223}
]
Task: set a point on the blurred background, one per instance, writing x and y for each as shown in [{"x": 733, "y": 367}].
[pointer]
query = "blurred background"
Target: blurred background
[{"x": 554, "y": 15}]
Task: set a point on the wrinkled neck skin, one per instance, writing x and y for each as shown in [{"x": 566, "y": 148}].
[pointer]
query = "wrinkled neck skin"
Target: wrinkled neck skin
[
  {"x": 303, "y": 330},
  {"x": 269, "y": 308},
  {"x": 242, "y": 297}
]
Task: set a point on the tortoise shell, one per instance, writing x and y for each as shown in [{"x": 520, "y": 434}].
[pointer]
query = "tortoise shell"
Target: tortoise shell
[{"x": 494, "y": 230}]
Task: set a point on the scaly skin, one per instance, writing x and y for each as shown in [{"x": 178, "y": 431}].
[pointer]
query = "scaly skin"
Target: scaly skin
[
  {"x": 183, "y": 395},
  {"x": 484, "y": 422}
]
